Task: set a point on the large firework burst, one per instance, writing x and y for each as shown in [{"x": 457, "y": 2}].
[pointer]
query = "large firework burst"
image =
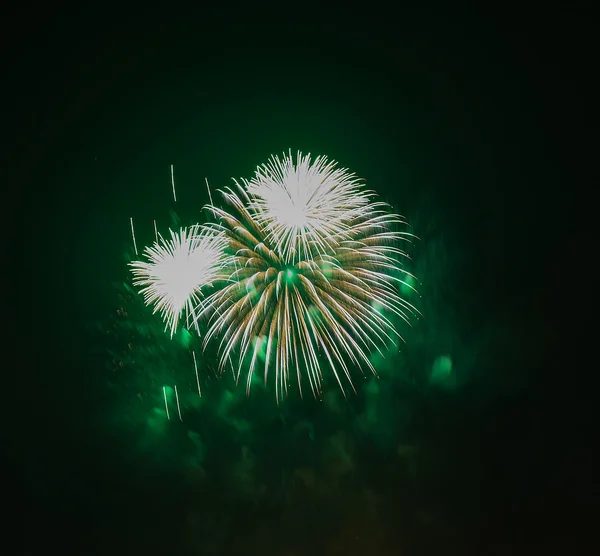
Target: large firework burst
[
  {"x": 176, "y": 271},
  {"x": 306, "y": 294}
]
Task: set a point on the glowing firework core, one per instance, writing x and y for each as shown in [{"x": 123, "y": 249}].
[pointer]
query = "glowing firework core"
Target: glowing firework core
[{"x": 290, "y": 274}]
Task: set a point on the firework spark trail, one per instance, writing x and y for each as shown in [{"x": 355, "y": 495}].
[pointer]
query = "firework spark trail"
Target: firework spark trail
[
  {"x": 178, "y": 407},
  {"x": 209, "y": 193},
  {"x": 166, "y": 404},
  {"x": 196, "y": 369},
  {"x": 173, "y": 184},
  {"x": 133, "y": 236}
]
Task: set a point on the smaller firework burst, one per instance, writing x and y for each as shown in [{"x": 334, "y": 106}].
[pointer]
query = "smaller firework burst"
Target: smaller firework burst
[
  {"x": 176, "y": 271},
  {"x": 305, "y": 205}
]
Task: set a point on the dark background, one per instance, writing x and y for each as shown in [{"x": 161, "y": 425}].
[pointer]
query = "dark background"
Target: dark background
[{"x": 468, "y": 122}]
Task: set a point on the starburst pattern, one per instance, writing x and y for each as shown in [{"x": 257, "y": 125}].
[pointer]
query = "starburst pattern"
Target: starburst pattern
[
  {"x": 176, "y": 271},
  {"x": 329, "y": 304},
  {"x": 304, "y": 205}
]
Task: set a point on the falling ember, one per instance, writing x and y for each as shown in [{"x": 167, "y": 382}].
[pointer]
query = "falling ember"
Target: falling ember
[
  {"x": 173, "y": 184},
  {"x": 133, "y": 235},
  {"x": 208, "y": 188},
  {"x": 196, "y": 368},
  {"x": 166, "y": 404},
  {"x": 177, "y": 399}
]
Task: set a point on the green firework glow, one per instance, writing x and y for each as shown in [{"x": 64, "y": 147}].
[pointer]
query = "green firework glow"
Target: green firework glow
[{"x": 305, "y": 272}]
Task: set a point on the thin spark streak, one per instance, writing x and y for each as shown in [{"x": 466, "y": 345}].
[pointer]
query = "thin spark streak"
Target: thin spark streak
[
  {"x": 133, "y": 235},
  {"x": 155, "y": 232},
  {"x": 173, "y": 183},
  {"x": 209, "y": 194},
  {"x": 178, "y": 408},
  {"x": 166, "y": 404},
  {"x": 196, "y": 368}
]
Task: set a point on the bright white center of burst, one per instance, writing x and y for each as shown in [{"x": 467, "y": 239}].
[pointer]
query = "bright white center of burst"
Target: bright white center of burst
[
  {"x": 291, "y": 212},
  {"x": 175, "y": 271},
  {"x": 302, "y": 204},
  {"x": 180, "y": 275}
]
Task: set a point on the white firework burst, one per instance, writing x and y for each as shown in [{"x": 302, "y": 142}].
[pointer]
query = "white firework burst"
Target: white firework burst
[
  {"x": 303, "y": 206},
  {"x": 177, "y": 269}
]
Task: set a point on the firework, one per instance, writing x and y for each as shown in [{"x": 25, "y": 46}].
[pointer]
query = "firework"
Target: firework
[
  {"x": 304, "y": 206},
  {"x": 177, "y": 269},
  {"x": 312, "y": 289}
]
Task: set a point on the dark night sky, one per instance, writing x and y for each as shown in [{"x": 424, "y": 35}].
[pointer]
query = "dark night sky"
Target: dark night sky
[{"x": 468, "y": 118}]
